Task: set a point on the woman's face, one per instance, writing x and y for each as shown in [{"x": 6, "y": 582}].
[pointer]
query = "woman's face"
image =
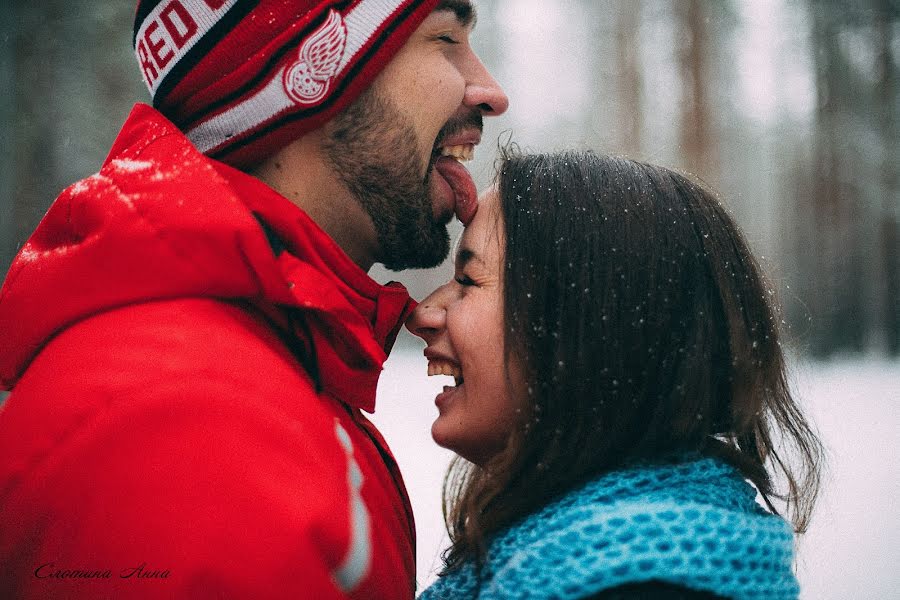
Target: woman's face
[{"x": 462, "y": 325}]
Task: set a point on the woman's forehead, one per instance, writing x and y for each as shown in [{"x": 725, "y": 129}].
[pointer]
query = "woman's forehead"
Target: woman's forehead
[{"x": 483, "y": 234}]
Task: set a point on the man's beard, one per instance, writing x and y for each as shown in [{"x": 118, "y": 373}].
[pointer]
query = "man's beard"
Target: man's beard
[{"x": 374, "y": 151}]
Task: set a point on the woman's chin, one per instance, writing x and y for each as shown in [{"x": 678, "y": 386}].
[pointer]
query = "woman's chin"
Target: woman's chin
[
  {"x": 445, "y": 439},
  {"x": 440, "y": 436}
]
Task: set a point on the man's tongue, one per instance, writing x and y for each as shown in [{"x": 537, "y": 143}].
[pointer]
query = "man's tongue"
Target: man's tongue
[{"x": 464, "y": 193}]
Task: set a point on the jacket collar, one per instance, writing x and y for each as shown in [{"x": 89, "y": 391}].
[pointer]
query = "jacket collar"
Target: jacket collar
[{"x": 351, "y": 319}]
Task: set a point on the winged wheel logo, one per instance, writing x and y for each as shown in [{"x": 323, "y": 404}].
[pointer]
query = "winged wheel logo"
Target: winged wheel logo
[{"x": 308, "y": 79}]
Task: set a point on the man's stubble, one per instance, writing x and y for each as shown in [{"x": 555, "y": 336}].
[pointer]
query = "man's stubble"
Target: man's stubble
[{"x": 375, "y": 152}]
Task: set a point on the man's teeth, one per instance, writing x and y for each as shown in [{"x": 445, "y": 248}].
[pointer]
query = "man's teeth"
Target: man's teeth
[
  {"x": 443, "y": 367},
  {"x": 462, "y": 152}
]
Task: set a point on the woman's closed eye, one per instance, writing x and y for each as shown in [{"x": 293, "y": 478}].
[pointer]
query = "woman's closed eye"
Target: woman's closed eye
[{"x": 464, "y": 280}]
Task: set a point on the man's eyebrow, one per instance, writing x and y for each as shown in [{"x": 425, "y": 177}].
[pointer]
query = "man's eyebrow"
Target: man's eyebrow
[{"x": 463, "y": 9}]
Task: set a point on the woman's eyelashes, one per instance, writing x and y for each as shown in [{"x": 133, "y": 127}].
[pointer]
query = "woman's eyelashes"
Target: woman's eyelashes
[{"x": 464, "y": 280}]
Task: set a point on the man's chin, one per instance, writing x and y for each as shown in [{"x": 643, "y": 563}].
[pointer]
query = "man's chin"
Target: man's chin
[
  {"x": 422, "y": 254},
  {"x": 444, "y": 218}
]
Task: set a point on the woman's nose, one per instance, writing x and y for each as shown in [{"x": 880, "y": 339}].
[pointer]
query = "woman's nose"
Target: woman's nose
[{"x": 428, "y": 319}]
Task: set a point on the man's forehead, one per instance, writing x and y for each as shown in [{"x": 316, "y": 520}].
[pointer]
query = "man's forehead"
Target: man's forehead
[{"x": 463, "y": 9}]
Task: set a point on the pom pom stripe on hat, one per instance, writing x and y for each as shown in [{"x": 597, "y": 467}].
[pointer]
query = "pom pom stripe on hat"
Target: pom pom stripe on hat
[{"x": 244, "y": 78}]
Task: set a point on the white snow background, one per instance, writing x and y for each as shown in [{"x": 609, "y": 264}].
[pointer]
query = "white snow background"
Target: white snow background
[{"x": 852, "y": 549}]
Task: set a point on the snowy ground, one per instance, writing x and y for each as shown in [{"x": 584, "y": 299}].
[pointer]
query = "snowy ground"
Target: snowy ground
[{"x": 852, "y": 550}]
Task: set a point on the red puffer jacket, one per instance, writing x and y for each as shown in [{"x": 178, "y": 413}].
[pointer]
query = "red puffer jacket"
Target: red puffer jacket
[{"x": 189, "y": 355}]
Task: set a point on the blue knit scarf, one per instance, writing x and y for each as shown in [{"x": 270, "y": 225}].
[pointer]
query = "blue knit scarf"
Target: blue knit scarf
[{"x": 695, "y": 524}]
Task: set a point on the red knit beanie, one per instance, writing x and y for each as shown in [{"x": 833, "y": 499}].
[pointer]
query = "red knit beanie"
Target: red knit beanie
[{"x": 244, "y": 78}]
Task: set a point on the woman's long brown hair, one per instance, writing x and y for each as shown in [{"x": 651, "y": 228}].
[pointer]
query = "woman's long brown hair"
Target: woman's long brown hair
[{"x": 645, "y": 328}]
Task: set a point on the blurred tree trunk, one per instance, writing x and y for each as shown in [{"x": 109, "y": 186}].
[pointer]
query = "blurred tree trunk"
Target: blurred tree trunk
[
  {"x": 888, "y": 234},
  {"x": 696, "y": 133},
  {"x": 628, "y": 54},
  {"x": 836, "y": 294},
  {"x": 33, "y": 131},
  {"x": 7, "y": 149}
]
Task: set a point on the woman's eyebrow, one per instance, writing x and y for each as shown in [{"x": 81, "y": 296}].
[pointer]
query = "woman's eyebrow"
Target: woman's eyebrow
[
  {"x": 463, "y": 9},
  {"x": 464, "y": 256}
]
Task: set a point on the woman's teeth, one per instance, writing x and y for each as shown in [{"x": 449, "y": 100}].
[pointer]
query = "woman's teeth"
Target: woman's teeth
[
  {"x": 445, "y": 367},
  {"x": 462, "y": 152}
]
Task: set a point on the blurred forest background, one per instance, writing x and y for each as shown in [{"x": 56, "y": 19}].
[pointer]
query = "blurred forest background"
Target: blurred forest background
[{"x": 788, "y": 107}]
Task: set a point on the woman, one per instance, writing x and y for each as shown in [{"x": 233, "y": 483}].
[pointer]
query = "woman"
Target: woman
[{"x": 619, "y": 381}]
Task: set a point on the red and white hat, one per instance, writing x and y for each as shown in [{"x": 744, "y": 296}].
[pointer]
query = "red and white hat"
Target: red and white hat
[{"x": 244, "y": 78}]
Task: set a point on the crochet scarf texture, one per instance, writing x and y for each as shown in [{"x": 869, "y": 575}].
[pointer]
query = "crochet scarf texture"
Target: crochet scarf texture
[{"x": 695, "y": 523}]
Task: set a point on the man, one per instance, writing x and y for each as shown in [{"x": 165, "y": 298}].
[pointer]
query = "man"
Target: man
[{"x": 190, "y": 335}]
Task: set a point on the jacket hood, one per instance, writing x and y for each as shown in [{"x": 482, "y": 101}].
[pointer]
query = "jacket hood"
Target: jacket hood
[{"x": 160, "y": 221}]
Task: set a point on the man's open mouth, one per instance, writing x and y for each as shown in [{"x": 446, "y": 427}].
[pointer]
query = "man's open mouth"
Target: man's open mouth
[
  {"x": 447, "y": 159},
  {"x": 461, "y": 152}
]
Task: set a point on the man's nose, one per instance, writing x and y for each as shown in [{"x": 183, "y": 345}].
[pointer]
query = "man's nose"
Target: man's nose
[{"x": 483, "y": 91}]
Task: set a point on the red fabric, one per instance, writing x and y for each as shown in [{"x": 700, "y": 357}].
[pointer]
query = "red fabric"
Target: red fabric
[{"x": 178, "y": 391}]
